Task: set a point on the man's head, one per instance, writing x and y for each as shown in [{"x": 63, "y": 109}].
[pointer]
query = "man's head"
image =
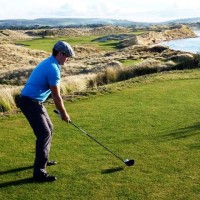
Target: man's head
[
  {"x": 64, "y": 47},
  {"x": 62, "y": 51}
]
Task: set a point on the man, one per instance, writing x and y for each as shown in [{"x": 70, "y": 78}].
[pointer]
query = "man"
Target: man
[{"x": 43, "y": 81}]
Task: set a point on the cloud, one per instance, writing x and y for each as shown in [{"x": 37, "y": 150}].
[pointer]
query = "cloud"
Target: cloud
[
  {"x": 101, "y": 9},
  {"x": 141, "y": 10},
  {"x": 153, "y": 11}
]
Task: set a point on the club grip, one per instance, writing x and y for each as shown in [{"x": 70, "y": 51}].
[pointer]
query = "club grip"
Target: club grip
[{"x": 57, "y": 112}]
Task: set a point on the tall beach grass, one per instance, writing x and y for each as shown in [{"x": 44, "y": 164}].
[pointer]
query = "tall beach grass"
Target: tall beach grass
[
  {"x": 149, "y": 66},
  {"x": 7, "y": 97}
]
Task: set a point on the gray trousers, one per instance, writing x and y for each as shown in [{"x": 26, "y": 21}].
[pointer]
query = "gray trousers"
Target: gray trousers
[{"x": 39, "y": 120}]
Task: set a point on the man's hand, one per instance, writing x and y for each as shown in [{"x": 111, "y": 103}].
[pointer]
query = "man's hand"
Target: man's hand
[{"x": 65, "y": 117}]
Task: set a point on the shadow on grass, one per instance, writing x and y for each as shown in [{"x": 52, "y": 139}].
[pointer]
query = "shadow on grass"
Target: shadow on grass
[
  {"x": 15, "y": 170},
  {"x": 184, "y": 132},
  {"x": 16, "y": 182},
  {"x": 112, "y": 170}
]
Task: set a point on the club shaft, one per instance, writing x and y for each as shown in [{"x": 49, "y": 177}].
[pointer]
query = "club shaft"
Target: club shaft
[{"x": 95, "y": 140}]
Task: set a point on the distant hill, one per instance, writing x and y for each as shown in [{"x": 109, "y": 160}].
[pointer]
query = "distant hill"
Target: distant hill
[
  {"x": 78, "y": 22},
  {"x": 182, "y": 21},
  {"x": 67, "y": 22}
]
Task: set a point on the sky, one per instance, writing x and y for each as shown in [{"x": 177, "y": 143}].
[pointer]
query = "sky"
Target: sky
[{"x": 133, "y": 10}]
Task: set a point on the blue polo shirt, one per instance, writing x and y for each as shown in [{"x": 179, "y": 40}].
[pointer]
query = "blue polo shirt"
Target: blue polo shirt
[{"x": 47, "y": 73}]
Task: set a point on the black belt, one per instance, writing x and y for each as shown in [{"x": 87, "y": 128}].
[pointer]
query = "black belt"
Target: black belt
[{"x": 30, "y": 99}]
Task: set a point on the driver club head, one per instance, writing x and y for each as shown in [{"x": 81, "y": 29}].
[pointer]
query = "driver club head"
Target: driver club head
[{"x": 129, "y": 162}]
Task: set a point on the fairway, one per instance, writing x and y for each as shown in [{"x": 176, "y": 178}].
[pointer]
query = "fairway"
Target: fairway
[
  {"x": 156, "y": 124},
  {"x": 47, "y": 43}
]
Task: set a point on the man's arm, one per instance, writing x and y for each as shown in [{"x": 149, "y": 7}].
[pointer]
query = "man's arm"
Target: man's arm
[{"x": 55, "y": 91}]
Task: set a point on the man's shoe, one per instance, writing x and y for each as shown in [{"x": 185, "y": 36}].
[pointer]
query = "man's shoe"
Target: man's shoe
[
  {"x": 53, "y": 162},
  {"x": 44, "y": 178}
]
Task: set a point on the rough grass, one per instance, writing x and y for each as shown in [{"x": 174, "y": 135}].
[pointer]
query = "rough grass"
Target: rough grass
[
  {"x": 15, "y": 57},
  {"x": 7, "y": 97},
  {"x": 129, "y": 62},
  {"x": 112, "y": 75},
  {"x": 157, "y": 124}
]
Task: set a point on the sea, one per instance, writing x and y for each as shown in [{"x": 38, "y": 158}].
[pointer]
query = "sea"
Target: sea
[{"x": 188, "y": 45}]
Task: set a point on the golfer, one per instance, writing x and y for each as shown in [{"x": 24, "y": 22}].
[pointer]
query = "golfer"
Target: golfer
[{"x": 43, "y": 81}]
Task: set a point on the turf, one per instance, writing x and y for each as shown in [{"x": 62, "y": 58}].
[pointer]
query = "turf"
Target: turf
[
  {"x": 47, "y": 43},
  {"x": 156, "y": 124}
]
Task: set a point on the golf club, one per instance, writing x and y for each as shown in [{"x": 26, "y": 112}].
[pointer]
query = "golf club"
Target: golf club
[{"x": 126, "y": 161}]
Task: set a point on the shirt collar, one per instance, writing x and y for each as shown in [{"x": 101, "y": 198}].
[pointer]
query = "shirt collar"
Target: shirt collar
[{"x": 54, "y": 59}]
